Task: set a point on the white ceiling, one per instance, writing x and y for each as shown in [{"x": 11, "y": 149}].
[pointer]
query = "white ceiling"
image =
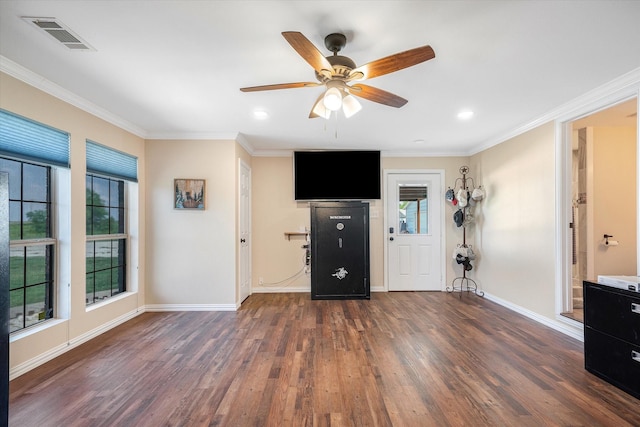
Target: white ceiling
[{"x": 173, "y": 69}]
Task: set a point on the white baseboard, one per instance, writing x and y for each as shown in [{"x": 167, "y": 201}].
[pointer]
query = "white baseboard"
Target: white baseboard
[
  {"x": 30, "y": 364},
  {"x": 279, "y": 290},
  {"x": 567, "y": 329},
  {"x": 190, "y": 307}
]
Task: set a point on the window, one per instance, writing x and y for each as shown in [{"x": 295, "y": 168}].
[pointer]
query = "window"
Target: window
[
  {"x": 109, "y": 177},
  {"x": 106, "y": 258},
  {"x": 412, "y": 209},
  {"x": 31, "y": 264},
  {"x": 32, "y": 153}
]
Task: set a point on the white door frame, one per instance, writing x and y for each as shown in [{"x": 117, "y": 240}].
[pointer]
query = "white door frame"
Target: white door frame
[
  {"x": 622, "y": 90},
  {"x": 240, "y": 215},
  {"x": 385, "y": 233}
]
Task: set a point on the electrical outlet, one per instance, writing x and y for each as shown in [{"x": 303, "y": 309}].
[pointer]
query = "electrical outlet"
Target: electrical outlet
[{"x": 260, "y": 281}]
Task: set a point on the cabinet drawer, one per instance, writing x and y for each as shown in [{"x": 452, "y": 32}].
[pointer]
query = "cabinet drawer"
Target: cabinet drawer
[
  {"x": 613, "y": 360},
  {"x": 613, "y": 312}
]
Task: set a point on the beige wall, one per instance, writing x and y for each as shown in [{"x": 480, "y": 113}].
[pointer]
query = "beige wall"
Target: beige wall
[
  {"x": 614, "y": 200},
  {"x": 279, "y": 261},
  {"x": 46, "y": 340},
  {"x": 191, "y": 258},
  {"x": 516, "y": 238},
  {"x": 275, "y": 259}
]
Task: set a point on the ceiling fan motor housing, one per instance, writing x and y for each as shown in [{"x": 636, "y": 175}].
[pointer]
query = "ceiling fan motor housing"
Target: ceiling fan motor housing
[{"x": 342, "y": 66}]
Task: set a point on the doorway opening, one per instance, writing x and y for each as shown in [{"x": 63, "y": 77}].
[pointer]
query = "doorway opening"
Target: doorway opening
[{"x": 603, "y": 200}]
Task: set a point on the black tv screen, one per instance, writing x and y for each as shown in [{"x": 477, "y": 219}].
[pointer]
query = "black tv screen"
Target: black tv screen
[{"x": 336, "y": 175}]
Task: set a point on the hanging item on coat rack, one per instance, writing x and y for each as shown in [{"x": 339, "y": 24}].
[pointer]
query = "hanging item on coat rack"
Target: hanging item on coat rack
[
  {"x": 477, "y": 194},
  {"x": 458, "y": 217},
  {"x": 462, "y": 197},
  {"x": 469, "y": 218},
  {"x": 470, "y": 253},
  {"x": 449, "y": 195}
]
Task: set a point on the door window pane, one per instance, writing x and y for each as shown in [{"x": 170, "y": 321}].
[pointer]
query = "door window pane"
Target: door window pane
[{"x": 412, "y": 209}]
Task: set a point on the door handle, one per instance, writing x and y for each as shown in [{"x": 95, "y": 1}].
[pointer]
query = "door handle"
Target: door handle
[
  {"x": 635, "y": 356},
  {"x": 242, "y": 241},
  {"x": 635, "y": 308},
  {"x": 391, "y": 238}
]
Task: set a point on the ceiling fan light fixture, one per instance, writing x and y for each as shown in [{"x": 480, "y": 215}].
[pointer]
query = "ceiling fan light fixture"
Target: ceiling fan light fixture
[
  {"x": 320, "y": 110},
  {"x": 350, "y": 106},
  {"x": 332, "y": 99}
]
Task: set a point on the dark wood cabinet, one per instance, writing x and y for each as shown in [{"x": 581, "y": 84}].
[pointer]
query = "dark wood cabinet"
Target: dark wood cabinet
[
  {"x": 612, "y": 335},
  {"x": 340, "y": 250}
]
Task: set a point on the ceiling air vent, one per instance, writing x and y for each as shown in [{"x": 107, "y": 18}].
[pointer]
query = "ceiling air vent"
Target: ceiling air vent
[{"x": 60, "y": 32}]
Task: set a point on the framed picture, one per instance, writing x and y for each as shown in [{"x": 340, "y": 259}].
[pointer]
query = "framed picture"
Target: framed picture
[{"x": 188, "y": 193}]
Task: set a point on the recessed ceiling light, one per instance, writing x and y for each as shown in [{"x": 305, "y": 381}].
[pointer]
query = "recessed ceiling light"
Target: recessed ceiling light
[
  {"x": 419, "y": 141},
  {"x": 465, "y": 115},
  {"x": 260, "y": 115}
]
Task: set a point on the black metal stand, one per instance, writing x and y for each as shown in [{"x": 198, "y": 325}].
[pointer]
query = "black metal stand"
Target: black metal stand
[{"x": 464, "y": 283}]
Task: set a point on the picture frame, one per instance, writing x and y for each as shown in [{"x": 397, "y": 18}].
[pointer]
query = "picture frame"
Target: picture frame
[{"x": 189, "y": 194}]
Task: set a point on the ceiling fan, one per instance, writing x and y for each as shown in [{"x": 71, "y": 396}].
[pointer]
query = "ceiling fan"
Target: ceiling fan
[{"x": 342, "y": 77}]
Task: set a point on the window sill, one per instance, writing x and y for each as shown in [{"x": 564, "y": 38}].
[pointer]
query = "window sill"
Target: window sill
[
  {"x": 18, "y": 335},
  {"x": 108, "y": 301}
]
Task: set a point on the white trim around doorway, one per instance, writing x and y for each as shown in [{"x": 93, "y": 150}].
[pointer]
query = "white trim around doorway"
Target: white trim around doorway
[{"x": 619, "y": 90}]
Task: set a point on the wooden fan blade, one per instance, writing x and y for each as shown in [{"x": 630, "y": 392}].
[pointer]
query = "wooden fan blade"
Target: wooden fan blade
[
  {"x": 279, "y": 86},
  {"x": 393, "y": 63},
  {"x": 377, "y": 95},
  {"x": 308, "y": 51}
]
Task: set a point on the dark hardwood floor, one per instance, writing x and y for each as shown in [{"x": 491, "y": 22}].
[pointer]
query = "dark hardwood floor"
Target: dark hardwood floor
[{"x": 399, "y": 359}]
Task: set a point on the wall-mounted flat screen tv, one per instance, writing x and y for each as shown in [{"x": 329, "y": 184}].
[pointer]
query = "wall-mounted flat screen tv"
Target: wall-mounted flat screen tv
[{"x": 336, "y": 175}]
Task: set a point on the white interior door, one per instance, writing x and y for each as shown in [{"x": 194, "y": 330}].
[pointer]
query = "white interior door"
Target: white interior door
[
  {"x": 414, "y": 231},
  {"x": 245, "y": 230}
]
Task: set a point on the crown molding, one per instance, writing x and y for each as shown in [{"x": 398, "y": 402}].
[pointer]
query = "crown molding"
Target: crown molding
[
  {"x": 612, "y": 92},
  {"x": 244, "y": 143},
  {"x": 21, "y": 73}
]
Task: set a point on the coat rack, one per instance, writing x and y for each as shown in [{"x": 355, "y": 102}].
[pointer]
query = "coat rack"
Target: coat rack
[{"x": 464, "y": 200}]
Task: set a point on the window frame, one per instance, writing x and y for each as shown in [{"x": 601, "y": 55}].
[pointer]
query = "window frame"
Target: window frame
[
  {"x": 112, "y": 237},
  {"x": 50, "y": 243}
]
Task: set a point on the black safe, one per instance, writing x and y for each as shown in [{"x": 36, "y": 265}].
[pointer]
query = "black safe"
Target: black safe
[{"x": 340, "y": 250}]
